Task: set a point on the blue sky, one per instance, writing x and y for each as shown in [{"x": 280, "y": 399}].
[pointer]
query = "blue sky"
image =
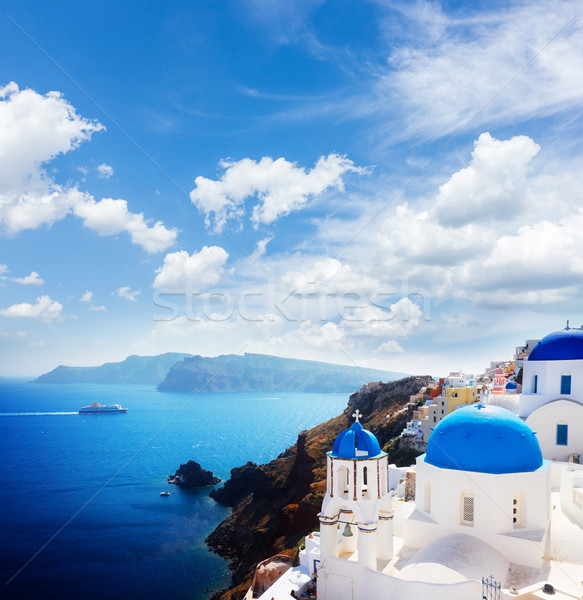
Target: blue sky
[{"x": 384, "y": 184}]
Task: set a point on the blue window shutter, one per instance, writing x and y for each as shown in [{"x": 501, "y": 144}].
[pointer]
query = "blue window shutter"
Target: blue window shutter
[
  {"x": 562, "y": 435},
  {"x": 565, "y": 384}
]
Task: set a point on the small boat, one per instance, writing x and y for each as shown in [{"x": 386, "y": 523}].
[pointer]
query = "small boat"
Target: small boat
[
  {"x": 164, "y": 493},
  {"x": 100, "y": 409}
]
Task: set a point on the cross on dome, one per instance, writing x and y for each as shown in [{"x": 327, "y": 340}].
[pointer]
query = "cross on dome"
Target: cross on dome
[{"x": 357, "y": 415}]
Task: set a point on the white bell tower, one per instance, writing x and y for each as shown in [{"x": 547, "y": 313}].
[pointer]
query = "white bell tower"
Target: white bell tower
[{"x": 356, "y": 517}]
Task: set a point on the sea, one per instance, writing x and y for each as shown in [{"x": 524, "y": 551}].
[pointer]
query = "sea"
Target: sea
[{"x": 81, "y": 514}]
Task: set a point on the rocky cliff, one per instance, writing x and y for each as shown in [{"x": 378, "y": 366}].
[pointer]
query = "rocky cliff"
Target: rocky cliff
[{"x": 276, "y": 504}]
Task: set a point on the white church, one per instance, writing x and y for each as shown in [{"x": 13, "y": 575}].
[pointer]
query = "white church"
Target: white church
[{"x": 498, "y": 510}]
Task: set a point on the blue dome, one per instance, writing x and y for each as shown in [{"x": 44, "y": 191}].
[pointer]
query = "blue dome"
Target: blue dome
[
  {"x": 355, "y": 442},
  {"x": 566, "y": 344},
  {"x": 511, "y": 385},
  {"x": 484, "y": 439}
]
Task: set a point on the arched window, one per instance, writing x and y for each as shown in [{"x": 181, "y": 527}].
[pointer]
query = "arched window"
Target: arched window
[
  {"x": 562, "y": 433},
  {"x": 427, "y": 498},
  {"x": 467, "y": 509},
  {"x": 342, "y": 477},
  {"x": 565, "y": 385}
]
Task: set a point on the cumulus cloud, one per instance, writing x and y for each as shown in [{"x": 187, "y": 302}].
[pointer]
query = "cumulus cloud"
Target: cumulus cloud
[
  {"x": 328, "y": 276},
  {"x": 390, "y": 347},
  {"x": 35, "y": 129},
  {"x": 32, "y": 279},
  {"x": 87, "y": 296},
  {"x": 492, "y": 187},
  {"x": 104, "y": 171},
  {"x": 44, "y": 309},
  {"x": 127, "y": 293},
  {"x": 279, "y": 186},
  {"x": 199, "y": 269},
  {"x": 3, "y": 270},
  {"x": 109, "y": 217},
  {"x": 472, "y": 244}
]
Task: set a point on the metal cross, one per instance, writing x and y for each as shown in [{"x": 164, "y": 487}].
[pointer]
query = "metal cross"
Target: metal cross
[{"x": 357, "y": 415}]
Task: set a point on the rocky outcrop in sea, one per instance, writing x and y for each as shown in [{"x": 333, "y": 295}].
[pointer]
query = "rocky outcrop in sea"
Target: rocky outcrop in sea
[{"x": 192, "y": 475}]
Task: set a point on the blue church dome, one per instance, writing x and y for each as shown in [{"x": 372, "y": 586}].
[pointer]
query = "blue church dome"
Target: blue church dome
[
  {"x": 511, "y": 385},
  {"x": 356, "y": 442},
  {"x": 566, "y": 344},
  {"x": 484, "y": 439}
]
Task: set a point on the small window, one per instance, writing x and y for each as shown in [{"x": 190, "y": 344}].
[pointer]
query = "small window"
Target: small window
[
  {"x": 434, "y": 419},
  {"x": 468, "y": 509},
  {"x": 442, "y": 411},
  {"x": 427, "y": 498},
  {"x": 517, "y": 512},
  {"x": 565, "y": 385},
  {"x": 535, "y": 384},
  {"x": 562, "y": 434}
]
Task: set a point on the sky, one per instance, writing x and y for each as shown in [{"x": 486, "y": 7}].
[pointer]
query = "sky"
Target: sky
[{"x": 383, "y": 184}]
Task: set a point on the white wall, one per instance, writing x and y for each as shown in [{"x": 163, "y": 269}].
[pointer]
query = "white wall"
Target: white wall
[
  {"x": 572, "y": 493},
  {"x": 493, "y": 504},
  {"x": 549, "y": 383},
  {"x": 544, "y": 421}
]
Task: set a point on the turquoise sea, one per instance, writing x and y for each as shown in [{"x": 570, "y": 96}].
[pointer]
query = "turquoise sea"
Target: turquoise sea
[{"x": 81, "y": 514}]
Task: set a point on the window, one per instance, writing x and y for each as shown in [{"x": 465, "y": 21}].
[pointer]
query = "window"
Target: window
[
  {"x": 468, "y": 509},
  {"x": 434, "y": 419},
  {"x": 442, "y": 411},
  {"x": 562, "y": 434},
  {"x": 565, "y": 384},
  {"x": 535, "y": 384},
  {"x": 517, "y": 512},
  {"x": 427, "y": 498}
]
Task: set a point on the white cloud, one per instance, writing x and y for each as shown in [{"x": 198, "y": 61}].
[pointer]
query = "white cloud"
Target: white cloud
[
  {"x": 462, "y": 69},
  {"x": 32, "y": 279},
  {"x": 199, "y": 269},
  {"x": 98, "y": 308},
  {"x": 104, "y": 171},
  {"x": 390, "y": 347},
  {"x": 109, "y": 217},
  {"x": 260, "y": 249},
  {"x": 127, "y": 293},
  {"x": 87, "y": 296},
  {"x": 3, "y": 269},
  {"x": 328, "y": 276},
  {"x": 367, "y": 321},
  {"x": 493, "y": 185},
  {"x": 280, "y": 186},
  {"x": 35, "y": 129},
  {"x": 45, "y": 309}
]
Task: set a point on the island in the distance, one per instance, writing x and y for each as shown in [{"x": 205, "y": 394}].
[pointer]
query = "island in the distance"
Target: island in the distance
[
  {"x": 174, "y": 372},
  {"x": 133, "y": 370},
  {"x": 261, "y": 372}
]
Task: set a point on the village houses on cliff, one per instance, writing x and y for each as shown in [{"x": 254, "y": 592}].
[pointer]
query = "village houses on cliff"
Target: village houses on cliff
[{"x": 496, "y": 506}]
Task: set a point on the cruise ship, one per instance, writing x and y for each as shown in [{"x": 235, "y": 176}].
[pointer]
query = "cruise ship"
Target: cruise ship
[{"x": 97, "y": 408}]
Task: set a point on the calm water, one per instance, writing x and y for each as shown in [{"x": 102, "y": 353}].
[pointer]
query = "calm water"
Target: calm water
[{"x": 127, "y": 541}]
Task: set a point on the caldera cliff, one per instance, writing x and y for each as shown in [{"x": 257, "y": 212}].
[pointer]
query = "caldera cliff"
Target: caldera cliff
[{"x": 276, "y": 504}]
